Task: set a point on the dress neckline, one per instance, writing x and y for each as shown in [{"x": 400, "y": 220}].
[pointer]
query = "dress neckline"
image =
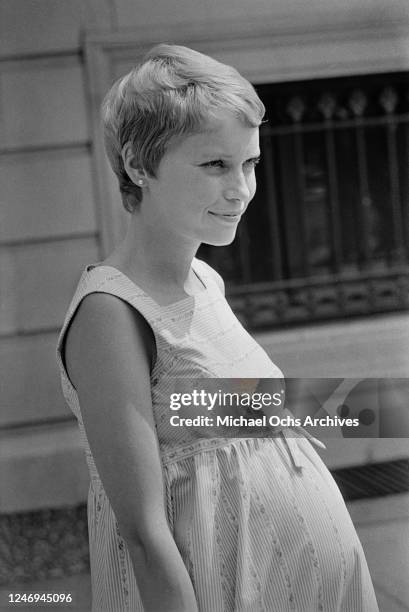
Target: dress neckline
[{"x": 188, "y": 300}]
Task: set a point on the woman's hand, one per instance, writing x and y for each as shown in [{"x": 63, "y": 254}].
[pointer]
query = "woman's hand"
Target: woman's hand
[{"x": 109, "y": 351}]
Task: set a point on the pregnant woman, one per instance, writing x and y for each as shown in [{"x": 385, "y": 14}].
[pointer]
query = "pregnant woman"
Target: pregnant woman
[{"x": 180, "y": 522}]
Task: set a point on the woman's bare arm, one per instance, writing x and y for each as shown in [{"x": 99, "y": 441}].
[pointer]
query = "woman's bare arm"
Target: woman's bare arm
[{"x": 108, "y": 352}]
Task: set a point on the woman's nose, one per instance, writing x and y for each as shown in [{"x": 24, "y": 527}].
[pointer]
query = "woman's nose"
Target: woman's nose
[{"x": 238, "y": 188}]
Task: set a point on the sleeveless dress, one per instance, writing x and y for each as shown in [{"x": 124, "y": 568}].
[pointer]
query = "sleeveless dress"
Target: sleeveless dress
[{"x": 259, "y": 522}]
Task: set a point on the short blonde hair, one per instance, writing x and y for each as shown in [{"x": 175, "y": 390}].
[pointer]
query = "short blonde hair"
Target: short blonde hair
[{"x": 175, "y": 91}]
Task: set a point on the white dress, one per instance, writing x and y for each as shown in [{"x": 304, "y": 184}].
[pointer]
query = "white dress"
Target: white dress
[{"x": 259, "y": 522}]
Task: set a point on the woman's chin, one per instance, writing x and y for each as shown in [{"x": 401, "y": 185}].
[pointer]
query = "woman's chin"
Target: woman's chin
[{"x": 222, "y": 239}]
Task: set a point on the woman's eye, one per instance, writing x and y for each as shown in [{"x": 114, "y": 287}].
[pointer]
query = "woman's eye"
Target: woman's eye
[
  {"x": 215, "y": 163},
  {"x": 252, "y": 162},
  {"x": 219, "y": 163}
]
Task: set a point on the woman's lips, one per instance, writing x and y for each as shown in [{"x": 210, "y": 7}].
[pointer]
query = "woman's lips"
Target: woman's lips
[{"x": 226, "y": 216}]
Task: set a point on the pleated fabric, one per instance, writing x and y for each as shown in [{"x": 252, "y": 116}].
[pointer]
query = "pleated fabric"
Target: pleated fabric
[{"x": 259, "y": 522}]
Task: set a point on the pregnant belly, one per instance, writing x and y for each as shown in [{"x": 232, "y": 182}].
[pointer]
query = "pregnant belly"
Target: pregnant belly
[{"x": 258, "y": 534}]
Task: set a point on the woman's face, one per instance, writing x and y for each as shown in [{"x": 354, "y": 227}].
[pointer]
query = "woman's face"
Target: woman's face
[{"x": 205, "y": 182}]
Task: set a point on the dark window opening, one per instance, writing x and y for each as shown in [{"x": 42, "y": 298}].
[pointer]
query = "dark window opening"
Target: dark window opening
[{"x": 327, "y": 233}]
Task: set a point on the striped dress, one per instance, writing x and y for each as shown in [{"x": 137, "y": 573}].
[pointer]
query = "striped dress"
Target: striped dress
[{"x": 259, "y": 522}]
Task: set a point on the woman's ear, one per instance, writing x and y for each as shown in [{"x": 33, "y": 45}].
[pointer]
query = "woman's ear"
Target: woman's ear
[{"x": 134, "y": 171}]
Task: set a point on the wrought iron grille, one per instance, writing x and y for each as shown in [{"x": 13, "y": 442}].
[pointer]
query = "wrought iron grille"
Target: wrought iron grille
[{"x": 328, "y": 232}]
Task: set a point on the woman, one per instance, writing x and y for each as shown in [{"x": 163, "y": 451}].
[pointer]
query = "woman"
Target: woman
[{"x": 180, "y": 522}]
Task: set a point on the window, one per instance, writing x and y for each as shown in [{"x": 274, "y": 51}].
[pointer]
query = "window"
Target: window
[{"x": 327, "y": 234}]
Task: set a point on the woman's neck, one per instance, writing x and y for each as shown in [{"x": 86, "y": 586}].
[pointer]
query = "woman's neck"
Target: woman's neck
[{"x": 153, "y": 256}]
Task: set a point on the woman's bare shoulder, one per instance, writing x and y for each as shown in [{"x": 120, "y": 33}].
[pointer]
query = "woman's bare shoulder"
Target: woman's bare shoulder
[{"x": 105, "y": 327}]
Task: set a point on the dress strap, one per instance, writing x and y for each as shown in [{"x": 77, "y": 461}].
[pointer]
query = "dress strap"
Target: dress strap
[{"x": 206, "y": 273}]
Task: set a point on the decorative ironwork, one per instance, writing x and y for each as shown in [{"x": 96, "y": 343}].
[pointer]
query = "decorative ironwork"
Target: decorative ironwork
[
  {"x": 373, "y": 479},
  {"x": 320, "y": 298},
  {"x": 328, "y": 233},
  {"x": 388, "y": 100},
  {"x": 358, "y": 102},
  {"x": 296, "y": 109},
  {"x": 327, "y": 105}
]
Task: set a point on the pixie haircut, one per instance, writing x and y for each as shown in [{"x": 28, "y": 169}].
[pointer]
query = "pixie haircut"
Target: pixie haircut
[{"x": 175, "y": 91}]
